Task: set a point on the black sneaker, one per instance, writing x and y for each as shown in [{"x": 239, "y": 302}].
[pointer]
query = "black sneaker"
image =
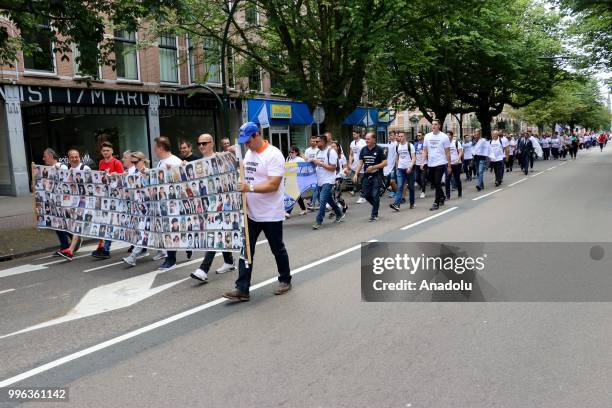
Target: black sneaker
[
  {"x": 167, "y": 265},
  {"x": 403, "y": 201},
  {"x": 411, "y": 206},
  {"x": 189, "y": 254},
  {"x": 373, "y": 219},
  {"x": 104, "y": 254},
  {"x": 478, "y": 188},
  {"x": 130, "y": 249},
  {"x": 394, "y": 207},
  {"x": 434, "y": 207}
]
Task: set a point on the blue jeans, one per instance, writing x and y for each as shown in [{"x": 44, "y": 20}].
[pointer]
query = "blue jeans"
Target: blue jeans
[
  {"x": 404, "y": 178},
  {"x": 482, "y": 167},
  {"x": 325, "y": 196},
  {"x": 107, "y": 245},
  {"x": 315, "y": 196}
]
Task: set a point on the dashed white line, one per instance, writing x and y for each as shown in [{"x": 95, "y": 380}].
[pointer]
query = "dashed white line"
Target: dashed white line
[
  {"x": 562, "y": 164},
  {"x": 486, "y": 195},
  {"x": 6, "y": 291},
  {"x": 428, "y": 218},
  {"x": 550, "y": 168},
  {"x": 164, "y": 322},
  {"x": 535, "y": 174},
  {"x": 516, "y": 182},
  {"x": 103, "y": 266}
]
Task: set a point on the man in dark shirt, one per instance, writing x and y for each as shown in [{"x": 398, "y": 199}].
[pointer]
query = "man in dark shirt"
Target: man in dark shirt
[
  {"x": 373, "y": 159},
  {"x": 186, "y": 153}
]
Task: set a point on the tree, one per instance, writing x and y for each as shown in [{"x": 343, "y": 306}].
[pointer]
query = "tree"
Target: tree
[
  {"x": 573, "y": 102},
  {"x": 73, "y": 22},
  {"x": 316, "y": 51},
  {"x": 592, "y": 24}
]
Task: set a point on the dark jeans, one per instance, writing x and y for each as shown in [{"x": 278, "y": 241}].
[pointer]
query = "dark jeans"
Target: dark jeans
[
  {"x": 524, "y": 162},
  {"x": 467, "y": 169},
  {"x": 436, "y": 173},
  {"x": 404, "y": 178},
  {"x": 326, "y": 197},
  {"x": 421, "y": 177},
  {"x": 64, "y": 239},
  {"x": 456, "y": 175},
  {"x": 274, "y": 234},
  {"x": 370, "y": 190},
  {"x": 555, "y": 152},
  {"x": 546, "y": 152},
  {"x": 210, "y": 255},
  {"x": 498, "y": 168},
  {"x": 510, "y": 162}
]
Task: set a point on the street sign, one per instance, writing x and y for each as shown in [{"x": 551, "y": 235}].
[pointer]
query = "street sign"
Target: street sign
[{"x": 318, "y": 115}]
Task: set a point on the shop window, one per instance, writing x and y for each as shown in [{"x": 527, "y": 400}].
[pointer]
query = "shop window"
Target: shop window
[
  {"x": 168, "y": 59},
  {"x": 212, "y": 64},
  {"x": 41, "y": 57},
  {"x": 126, "y": 55}
]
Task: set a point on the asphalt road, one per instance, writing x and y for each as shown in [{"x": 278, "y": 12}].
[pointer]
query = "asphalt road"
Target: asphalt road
[{"x": 320, "y": 345}]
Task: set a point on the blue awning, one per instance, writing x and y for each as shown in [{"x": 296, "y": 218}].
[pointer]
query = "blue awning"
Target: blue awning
[
  {"x": 279, "y": 113},
  {"x": 365, "y": 117}
]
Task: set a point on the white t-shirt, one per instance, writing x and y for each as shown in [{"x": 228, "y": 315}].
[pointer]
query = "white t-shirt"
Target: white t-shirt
[
  {"x": 405, "y": 155},
  {"x": 546, "y": 142},
  {"x": 311, "y": 153},
  {"x": 455, "y": 148},
  {"x": 436, "y": 145},
  {"x": 555, "y": 143},
  {"x": 512, "y": 143},
  {"x": 171, "y": 160},
  {"x": 481, "y": 148},
  {"x": 356, "y": 146},
  {"x": 418, "y": 149},
  {"x": 265, "y": 207},
  {"x": 504, "y": 141},
  {"x": 467, "y": 150},
  {"x": 132, "y": 170},
  {"x": 296, "y": 159},
  {"x": 81, "y": 167},
  {"x": 343, "y": 162},
  {"x": 325, "y": 176},
  {"x": 497, "y": 150},
  {"x": 391, "y": 155}
]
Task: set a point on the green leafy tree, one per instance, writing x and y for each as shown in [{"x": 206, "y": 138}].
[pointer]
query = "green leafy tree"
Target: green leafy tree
[{"x": 73, "y": 22}]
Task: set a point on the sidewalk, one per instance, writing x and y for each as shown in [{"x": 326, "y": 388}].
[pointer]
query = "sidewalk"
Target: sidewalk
[{"x": 19, "y": 235}]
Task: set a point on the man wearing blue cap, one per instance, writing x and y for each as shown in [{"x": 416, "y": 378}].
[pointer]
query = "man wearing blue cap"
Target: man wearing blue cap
[{"x": 264, "y": 168}]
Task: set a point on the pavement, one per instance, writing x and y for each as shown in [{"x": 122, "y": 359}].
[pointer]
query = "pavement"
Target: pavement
[{"x": 119, "y": 336}]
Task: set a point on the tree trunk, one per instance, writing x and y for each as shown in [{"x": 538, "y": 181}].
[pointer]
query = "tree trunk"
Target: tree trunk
[{"x": 484, "y": 117}]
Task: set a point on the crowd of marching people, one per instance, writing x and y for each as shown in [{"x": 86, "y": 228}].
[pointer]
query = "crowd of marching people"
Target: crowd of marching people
[{"x": 436, "y": 163}]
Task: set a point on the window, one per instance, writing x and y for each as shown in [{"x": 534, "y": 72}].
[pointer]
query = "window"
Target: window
[
  {"x": 126, "y": 55},
  {"x": 168, "y": 59},
  {"x": 212, "y": 66},
  {"x": 251, "y": 15},
  {"x": 255, "y": 80},
  {"x": 84, "y": 65},
  {"x": 41, "y": 56}
]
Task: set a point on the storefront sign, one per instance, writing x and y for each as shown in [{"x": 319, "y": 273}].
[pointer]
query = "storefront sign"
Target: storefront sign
[
  {"x": 280, "y": 111},
  {"x": 99, "y": 97}
]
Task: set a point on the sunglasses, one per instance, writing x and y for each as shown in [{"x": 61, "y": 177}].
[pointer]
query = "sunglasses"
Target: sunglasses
[
  {"x": 135, "y": 161},
  {"x": 203, "y": 143}
]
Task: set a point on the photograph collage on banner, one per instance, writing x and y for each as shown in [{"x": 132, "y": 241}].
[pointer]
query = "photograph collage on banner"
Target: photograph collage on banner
[{"x": 194, "y": 207}]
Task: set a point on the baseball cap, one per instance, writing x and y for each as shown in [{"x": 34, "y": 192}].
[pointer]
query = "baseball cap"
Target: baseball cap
[{"x": 246, "y": 131}]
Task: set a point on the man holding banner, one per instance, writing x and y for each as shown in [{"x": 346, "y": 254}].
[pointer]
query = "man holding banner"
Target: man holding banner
[{"x": 264, "y": 168}]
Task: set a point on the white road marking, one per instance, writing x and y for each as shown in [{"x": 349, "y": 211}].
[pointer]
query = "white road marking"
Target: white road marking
[
  {"x": 550, "y": 168},
  {"x": 516, "y": 182},
  {"x": 6, "y": 291},
  {"x": 164, "y": 322},
  {"x": 21, "y": 269},
  {"x": 562, "y": 164},
  {"x": 428, "y": 219},
  {"x": 536, "y": 174},
  {"x": 103, "y": 266},
  {"x": 486, "y": 195},
  {"x": 64, "y": 260}
]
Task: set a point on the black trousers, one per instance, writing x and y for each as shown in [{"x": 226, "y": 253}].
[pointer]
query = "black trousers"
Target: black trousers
[
  {"x": 421, "y": 177},
  {"x": 510, "y": 162},
  {"x": 467, "y": 169},
  {"x": 210, "y": 256},
  {"x": 436, "y": 175},
  {"x": 273, "y": 230},
  {"x": 456, "y": 175},
  {"x": 498, "y": 168}
]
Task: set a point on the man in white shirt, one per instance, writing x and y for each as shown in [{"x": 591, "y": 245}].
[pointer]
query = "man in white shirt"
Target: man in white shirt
[
  {"x": 456, "y": 153},
  {"x": 421, "y": 174},
  {"x": 499, "y": 153},
  {"x": 511, "y": 148},
  {"x": 481, "y": 151},
  {"x": 467, "y": 158},
  {"x": 436, "y": 150},
  {"x": 546, "y": 145},
  {"x": 354, "y": 150},
  {"x": 389, "y": 170},
  {"x": 327, "y": 164},
  {"x": 264, "y": 169},
  {"x": 404, "y": 168},
  {"x": 309, "y": 155}
]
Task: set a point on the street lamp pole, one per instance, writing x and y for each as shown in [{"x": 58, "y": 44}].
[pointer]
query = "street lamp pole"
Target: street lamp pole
[{"x": 231, "y": 10}]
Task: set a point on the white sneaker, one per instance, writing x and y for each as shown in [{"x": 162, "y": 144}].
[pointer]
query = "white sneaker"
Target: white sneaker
[
  {"x": 361, "y": 200},
  {"x": 328, "y": 207},
  {"x": 422, "y": 195},
  {"x": 200, "y": 275},
  {"x": 225, "y": 268},
  {"x": 143, "y": 254},
  {"x": 130, "y": 260},
  {"x": 160, "y": 255}
]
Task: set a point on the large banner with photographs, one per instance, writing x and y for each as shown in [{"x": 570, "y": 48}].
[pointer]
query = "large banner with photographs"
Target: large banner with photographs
[{"x": 194, "y": 207}]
